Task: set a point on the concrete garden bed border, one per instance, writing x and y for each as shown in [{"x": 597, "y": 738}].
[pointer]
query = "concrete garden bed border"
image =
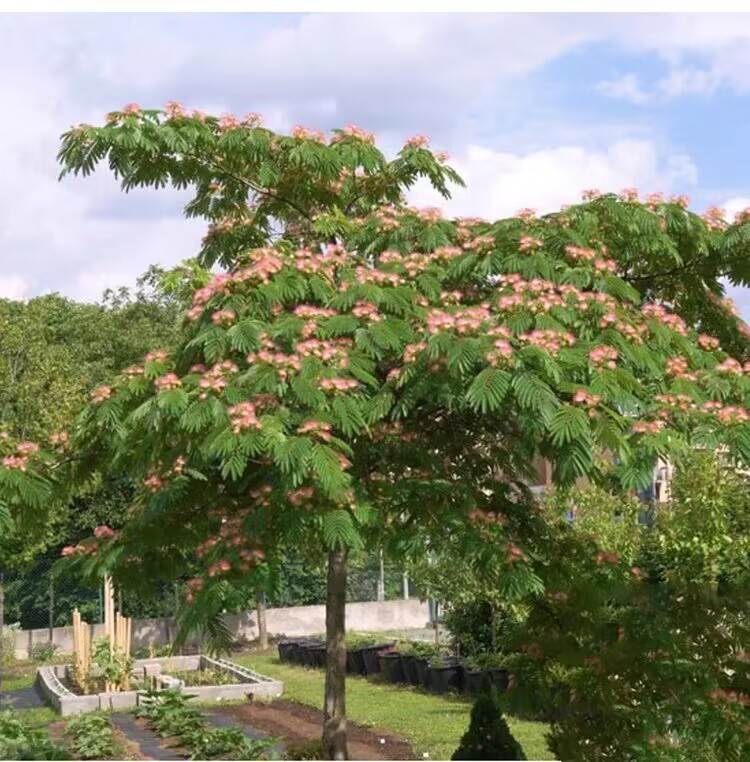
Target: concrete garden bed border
[{"x": 66, "y": 702}]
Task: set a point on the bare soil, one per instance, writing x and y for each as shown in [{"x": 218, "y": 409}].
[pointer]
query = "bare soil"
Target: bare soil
[{"x": 294, "y": 723}]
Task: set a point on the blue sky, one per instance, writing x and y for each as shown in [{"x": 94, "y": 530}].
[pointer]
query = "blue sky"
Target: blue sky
[{"x": 533, "y": 109}]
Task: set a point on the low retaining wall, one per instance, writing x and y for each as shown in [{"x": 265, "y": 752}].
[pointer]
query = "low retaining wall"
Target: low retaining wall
[
  {"x": 371, "y": 616},
  {"x": 66, "y": 702}
]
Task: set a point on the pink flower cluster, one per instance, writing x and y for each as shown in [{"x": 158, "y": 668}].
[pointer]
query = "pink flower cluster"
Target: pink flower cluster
[
  {"x": 526, "y": 214},
  {"x": 514, "y": 554},
  {"x": 430, "y": 214},
  {"x": 367, "y": 311},
  {"x": 166, "y": 382},
  {"x": 709, "y": 343},
  {"x": 134, "y": 371},
  {"x": 463, "y": 321},
  {"x": 15, "y": 462},
  {"x": 215, "y": 379},
  {"x": 648, "y": 427},
  {"x": 628, "y": 194},
  {"x": 732, "y": 414},
  {"x": 300, "y": 496},
  {"x": 412, "y": 351},
  {"x": 303, "y": 133},
  {"x": 103, "y": 532},
  {"x": 223, "y": 317},
  {"x": 59, "y": 438},
  {"x": 371, "y": 275},
  {"x": 158, "y": 355},
  {"x": 603, "y": 356},
  {"x": 338, "y": 384},
  {"x": 243, "y": 416},
  {"x": 665, "y": 317},
  {"x": 319, "y": 429},
  {"x": 352, "y": 131},
  {"x": 551, "y": 340},
  {"x": 583, "y": 397},
  {"x": 328, "y": 350},
  {"x": 730, "y": 365},
  {"x": 529, "y": 243},
  {"x": 715, "y": 218},
  {"x": 417, "y": 141},
  {"x": 100, "y": 394}
]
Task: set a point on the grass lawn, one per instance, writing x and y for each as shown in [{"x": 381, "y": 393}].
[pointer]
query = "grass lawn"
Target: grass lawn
[{"x": 433, "y": 724}]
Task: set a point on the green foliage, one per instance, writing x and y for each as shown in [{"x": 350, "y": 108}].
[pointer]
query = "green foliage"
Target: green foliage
[
  {"x": 19, "y": 740},
  {"x": 169, "y": 714},
  {"x": 114, "y": 665},
  {"x": 488, "y": 736},
  {"x": 91, "y": 736},
  {"x": 43, "y": 652}
]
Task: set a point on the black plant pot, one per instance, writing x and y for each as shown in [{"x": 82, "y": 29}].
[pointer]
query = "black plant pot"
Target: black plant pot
[
  {"x": 295, "y": 652},
  {"x": 355, "y": 663},
  {"x": 317, "y": 656},
  {"x": 409, "y": 665},
  {"x": 308, "y": 654},
  {"x": 473, "y": 680},
  {"x": 392, "y": 668},
  {"x": 499, "y": 678},
  {"x": 445, "y": 677},
  {"x": 423, "y": 672},
  {"x": 370, "y": 656},
  {"x": 286, "y": 646}
]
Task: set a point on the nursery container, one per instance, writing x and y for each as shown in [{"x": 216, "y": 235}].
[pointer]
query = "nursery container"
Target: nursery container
[
  {"x": 499, "y": 678},
  {"x": 445, "y": 676},
  {"x": 317, "y": 655},
  {"x": 473, "y": 680},
  {"x": 307, "y": 657},
  {"x": 370, "y": 656},
  {"x": 355, "y": 663},
  {"x": 409, "y": 665},
  {"x": 286, "y": 646},
  {"x": 423, "y": 672},
  {"x": 391, "y": 667}
]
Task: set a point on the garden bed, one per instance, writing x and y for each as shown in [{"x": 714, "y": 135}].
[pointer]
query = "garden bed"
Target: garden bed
[
  {"x": 299, "y": 725},
  {"x": 236, "y": 683}
]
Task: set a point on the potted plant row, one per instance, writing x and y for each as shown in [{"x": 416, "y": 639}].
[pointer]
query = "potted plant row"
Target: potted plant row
[{"x": 307, "y": 652}]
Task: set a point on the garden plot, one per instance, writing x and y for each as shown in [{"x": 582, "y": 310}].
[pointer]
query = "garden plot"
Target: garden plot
[{"x": 205, "y": 678}]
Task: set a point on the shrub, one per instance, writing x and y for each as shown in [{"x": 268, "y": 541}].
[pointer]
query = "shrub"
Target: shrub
[
  {"x": 18, "y": 740},
  {"x": 488, "y": 736},
  {"x": 42, "y": 652}
]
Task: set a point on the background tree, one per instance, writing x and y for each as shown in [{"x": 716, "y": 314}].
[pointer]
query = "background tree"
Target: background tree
[{"x": 360, "y": 352}]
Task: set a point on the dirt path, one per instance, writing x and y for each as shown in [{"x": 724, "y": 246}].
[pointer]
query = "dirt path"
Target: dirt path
[{"x": 295, "y": 723}]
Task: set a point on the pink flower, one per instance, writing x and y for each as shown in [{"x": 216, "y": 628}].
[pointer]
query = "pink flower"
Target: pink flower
[
  {"x": 629, "y": 194},
  {"x": 15, "y": 463},
  {"x": 174, "y": 110},
  {"x": 417, "y": 141},
  {"x": 252, "y": 120},
  {"x": 69, "y": 550},
  {"x": 243, "y": 416},
  {"x": 603, "y": 356},
  {"x": 526, "y": 214},
  {"x": 591, "y": 194},
  {"x": 27, "y": 448},
  {"x": 104, "y": 532},
  {"x": 166, "y": 382},
  {"x": 100, "y": 394},
  {"x": 131, "y": 109},
  {"x": 708, "y": 343},
  {"x": 223, "y": 317},
  {"x": 303, "y": 133},
  {"x": 527, "y": 243}
]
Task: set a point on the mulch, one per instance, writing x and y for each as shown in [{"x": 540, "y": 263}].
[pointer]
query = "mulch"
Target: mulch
[{"x": 295, "y": 723}]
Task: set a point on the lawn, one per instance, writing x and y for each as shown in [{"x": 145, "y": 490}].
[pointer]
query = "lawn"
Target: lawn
[{"x": 433, "y": 724}]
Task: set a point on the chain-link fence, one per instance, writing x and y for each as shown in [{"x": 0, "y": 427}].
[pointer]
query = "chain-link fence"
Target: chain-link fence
[{"x": 37, "y": 598}]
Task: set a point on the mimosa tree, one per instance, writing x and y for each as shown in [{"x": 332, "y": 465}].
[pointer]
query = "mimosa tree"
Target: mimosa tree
[{"x": 363, "y": 368}]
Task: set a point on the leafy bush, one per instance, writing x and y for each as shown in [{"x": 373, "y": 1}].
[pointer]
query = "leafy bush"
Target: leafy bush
[
  {"x": 488, "y": 736},
  {"x": 205, "y": 677},
  {"x": 42, "y": 652},
  {"x": 20, "y": 741},
  {"x": 92, "y": 736},
  {"x": 8, "y": 634},
  {"x": 169, "y": 714}
]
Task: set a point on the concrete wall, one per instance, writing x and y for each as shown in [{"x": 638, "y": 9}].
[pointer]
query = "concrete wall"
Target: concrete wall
[{"x": 295, "y": 620}]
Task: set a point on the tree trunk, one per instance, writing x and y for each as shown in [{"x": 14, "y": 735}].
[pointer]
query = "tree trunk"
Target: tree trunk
[
  {"x": 260, "y": 608},
  {"x": 334, "y": 724}
]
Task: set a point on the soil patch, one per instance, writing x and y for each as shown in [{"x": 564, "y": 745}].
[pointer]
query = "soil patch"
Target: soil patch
[
  {"x": 143, "y": 740},
  {"x": 294, "y": 723}
]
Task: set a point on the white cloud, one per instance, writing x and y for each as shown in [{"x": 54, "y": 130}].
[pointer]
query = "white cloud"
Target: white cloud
[
  {"x": 627, "y": 87},
  {"x": 499, "y": 183},
  {"x": 13, "y": 287},
  {"x": 734, "y": 205}
]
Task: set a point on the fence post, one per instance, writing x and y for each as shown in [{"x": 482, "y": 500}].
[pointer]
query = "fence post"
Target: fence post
[
  {"x": 381, "y": 578},
  {"x": 405, "y": 585},
  {"x": 51, "y": 608}
]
